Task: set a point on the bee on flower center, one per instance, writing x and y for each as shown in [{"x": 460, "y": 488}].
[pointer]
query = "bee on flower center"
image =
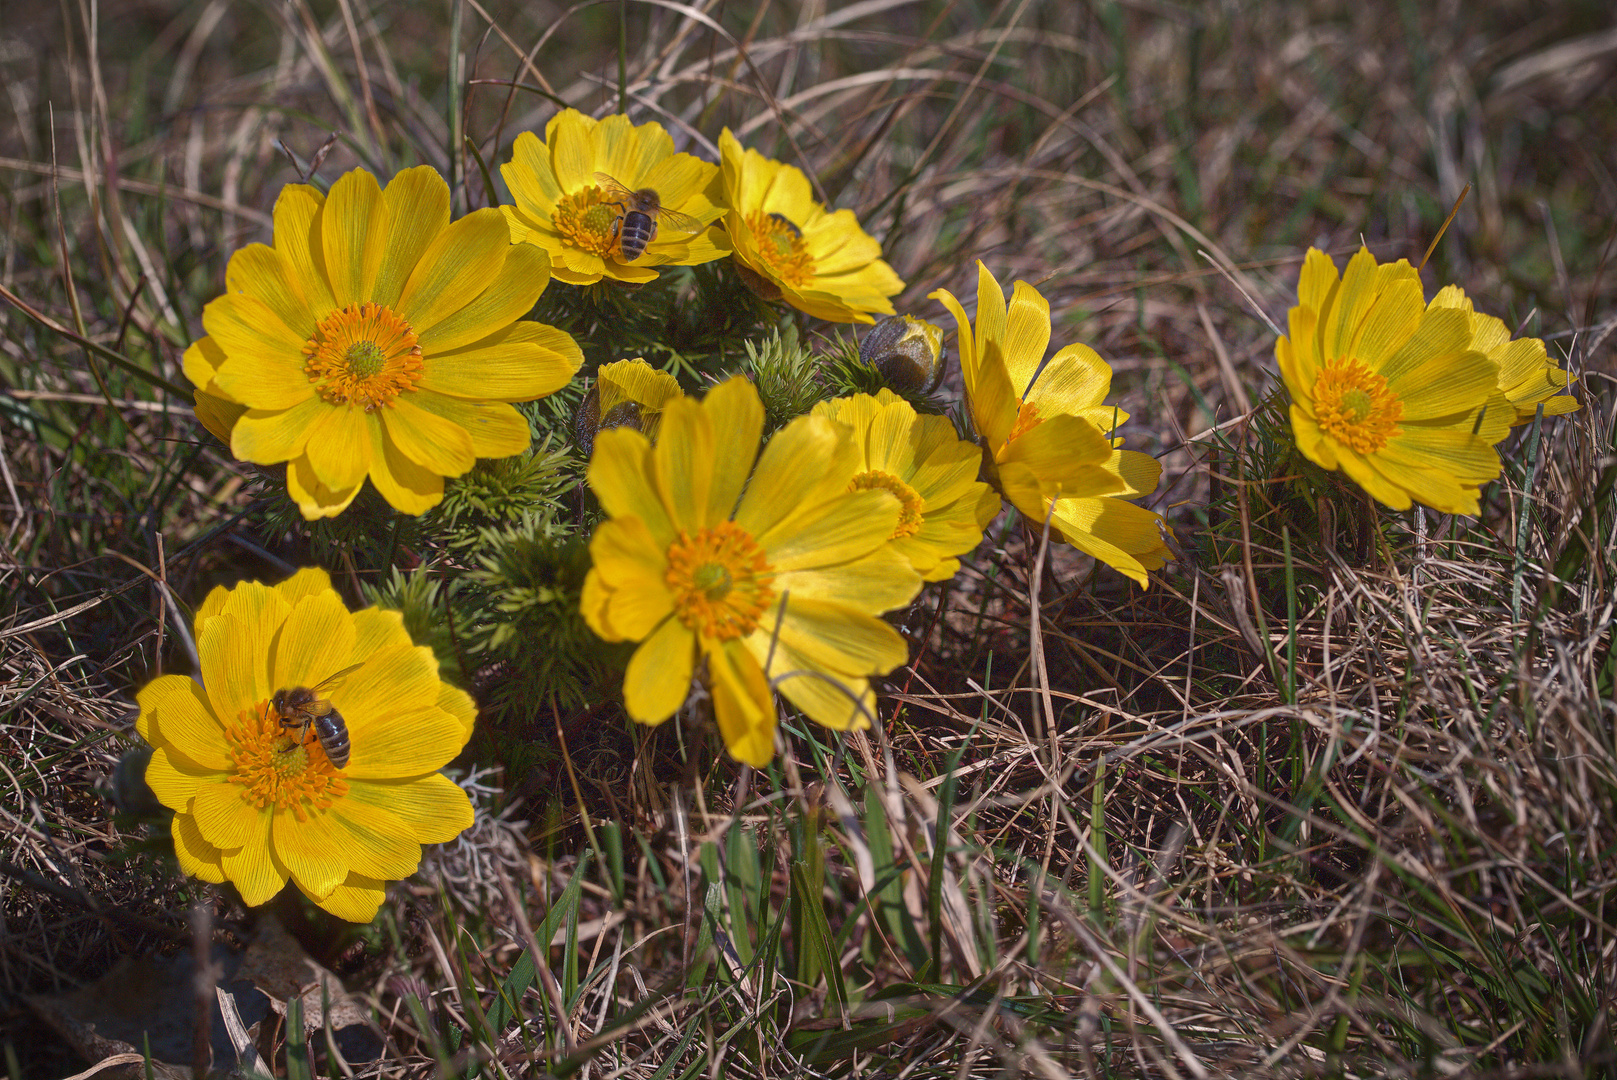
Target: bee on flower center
[
  {"x": 303, "y": 707},
  {"x": 640, "y": 212}
]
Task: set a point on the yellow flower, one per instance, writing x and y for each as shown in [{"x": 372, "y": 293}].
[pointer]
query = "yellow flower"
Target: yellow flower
[
  {"x": 944, "y": 508},
  {"x": 1388, "y": 390},
  {"x": 1042, "y": 430},
  {"x": 627, "y": 393},
  {"x": 376, "y": 339},
  {"x": 574, "y": 191},
  {"x": 258, "y": 802},
  {"x": 1527, "y": 376},
  {"x": 791, "y": 248},
  {"x": 774, "y": 580}
]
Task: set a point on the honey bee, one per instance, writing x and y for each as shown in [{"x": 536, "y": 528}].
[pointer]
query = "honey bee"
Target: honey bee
[
  {"x": 303, "y": 708},
  {"x": 642, "y": 211},
  {"x": 787, "y": 223}
]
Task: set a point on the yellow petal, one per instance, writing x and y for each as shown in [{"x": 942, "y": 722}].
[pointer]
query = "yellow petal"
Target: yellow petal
[
  {"x": 339, "y": 446},
  {"x": 828, "y": 636},
  {"x": 376, "y": 629},
  {"x": 196, "y": 856},
  {"x": 630, "y": 565},
  {"x": 311, "y": 851},
  {"x": 174, "y": 780},
  {"x": 797, "y": 462},
  {"x": 683, "y": 463},
  {"x": 431, "y": 441},
  {"x": 837, "y": 532},
  {"x": 175, "y": 713},
  {"x": 526, "y": 361},
  {"x": 495, "y": 429},
  {"x": 297, "y": 208},
  {"x": 1065, "y": 453},
  {"x": 840, "y": 700},
  {"x": 408, "y": 487},
  {"x": 254, "y": 870},
  {"x": 353, "y": 236},
  {"x": 357, "y": 899},
  {"x": 264, "y": 357},
  {"x": 459, "y": 704},
  {"x": 878, "y": 582},
  {"x": 225, "y": 819},
  {"x": 461, "y": 262},
  {"x": 737, "y": 418},
  {"x": 315, "y": 642},
  {"x": 314, "y": 499},
  {"x": 1027, "y": 334},
  {"x": 659, "y": 674},
  {"x": 234, "y": 654},
  {"x": 620, "y": 475},
  {"x": 400, "y": 679},
  {"x": 403, "y": 744},
  {"x": 269, "y": 438},
  {"x": 266, "y": 275},
  {"x": 310, "y": 581},
  {"x": 1126, "y": 537},
  {"x": 742, "y": 704},
  {"x": 417, "y": 202},
  {"x": 372, "y": 840},
  {"x": 1075, "y": 379},
  {"x": 432, "y": 808},
  {"x": 511, "y": 295}
]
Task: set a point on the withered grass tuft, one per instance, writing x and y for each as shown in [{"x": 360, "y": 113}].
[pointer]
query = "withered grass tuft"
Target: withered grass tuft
[{"x": 1336, "y": 796}]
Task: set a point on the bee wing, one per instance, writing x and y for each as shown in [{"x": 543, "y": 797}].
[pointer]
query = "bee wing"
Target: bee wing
[
  {"x": 613, "y": 187},
  {"x": 674, "y": 221},
  {"x": 337, "y": 676}
]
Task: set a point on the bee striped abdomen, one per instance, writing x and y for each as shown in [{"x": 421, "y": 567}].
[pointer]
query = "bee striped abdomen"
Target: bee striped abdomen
[
  {"x": 635, "y": 231},
  {"x": 333, "y": 734}
]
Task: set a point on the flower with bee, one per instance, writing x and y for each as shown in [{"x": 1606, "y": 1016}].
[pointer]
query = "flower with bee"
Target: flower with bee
[
  {"x": 310, "y": 750},
  {"x": 608, "y": 199},
  {"x": 789, "y": 247}
]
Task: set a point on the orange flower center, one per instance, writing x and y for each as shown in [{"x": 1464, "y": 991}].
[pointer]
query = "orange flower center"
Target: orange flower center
[
  {"x": 911, "y": 505},
  {"x": 1354, "y": 406},
  {"x": 1027, "y": 418},
  {"x": 780, "y": 248},
  {"x": 720, "y": 580},
  {"x": 363, "y": 355},
  {"x": 584, "y": 221},
  {"x": 276, "y": 769}
]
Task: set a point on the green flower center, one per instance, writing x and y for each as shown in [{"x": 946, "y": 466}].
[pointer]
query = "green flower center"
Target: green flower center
[
  {"x": 275, "y": 769},
  {"x": 365, "y": 359},
  {"x": 1354, "y": 407},
  {"x": 583, "y": 221},
  {"x": 720, "y": 581},
  {"x": 780, "y": 248},
  {"x": 363, "y": 356},
  {"x": 911, "y": 514}
]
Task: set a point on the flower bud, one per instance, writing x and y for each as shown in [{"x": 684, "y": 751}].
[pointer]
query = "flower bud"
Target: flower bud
[
  {"x": 907, "y": 351},
  {"x": 627, "y": 393}
]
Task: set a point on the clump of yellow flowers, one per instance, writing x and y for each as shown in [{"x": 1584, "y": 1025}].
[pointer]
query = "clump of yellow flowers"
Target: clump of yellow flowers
[{"x": 380, "y": 339}]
